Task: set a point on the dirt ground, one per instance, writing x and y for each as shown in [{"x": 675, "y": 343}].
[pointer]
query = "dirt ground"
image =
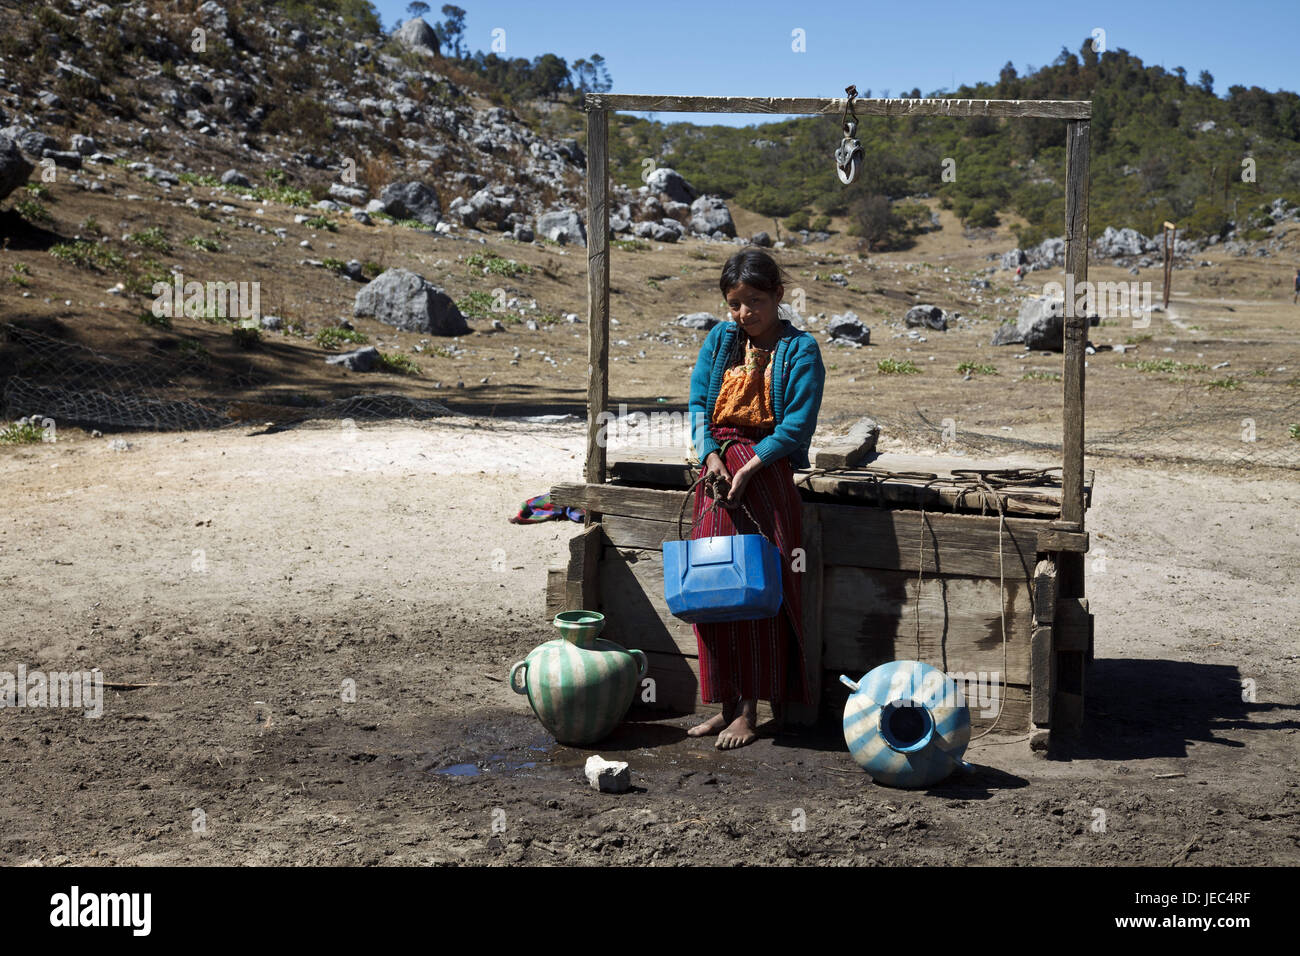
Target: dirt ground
[{"x": 247, "y": 577}]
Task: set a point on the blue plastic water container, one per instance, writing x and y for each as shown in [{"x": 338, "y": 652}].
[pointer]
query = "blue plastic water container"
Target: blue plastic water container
[{"x": 723, "y": 578}]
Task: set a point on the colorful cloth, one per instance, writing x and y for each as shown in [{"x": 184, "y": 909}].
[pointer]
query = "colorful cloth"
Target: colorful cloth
[
  {"x": 541, "y": 508},
  {"x": 745, "y": 398},
  {"x": 756, "y": 659}
]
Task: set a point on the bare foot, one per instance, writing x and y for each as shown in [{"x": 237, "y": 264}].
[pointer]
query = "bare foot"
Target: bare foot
[
  {"x": 708, "y": 727},
  {"x": 742, "y": 730}
]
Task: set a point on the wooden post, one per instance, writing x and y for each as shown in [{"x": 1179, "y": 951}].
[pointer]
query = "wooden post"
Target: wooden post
[
  {"x": 812, "y": 616},
  {"x": 1171, "y": 234},
  {"x": 1076, "y": 326},
  {"x": 597, "y": 288}
]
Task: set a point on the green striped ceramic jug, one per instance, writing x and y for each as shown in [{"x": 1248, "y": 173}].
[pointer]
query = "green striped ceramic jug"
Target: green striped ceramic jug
[{"x": 580, "y": 685}]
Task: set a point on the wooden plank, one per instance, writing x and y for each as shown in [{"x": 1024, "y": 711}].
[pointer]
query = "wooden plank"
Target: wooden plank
[
  {"x": 891, "y": 479},
  {"x": 581, "y": 583},
  {"x": 632, "y": 585},
  {"x": 597, "y": 291},
  {"x": 889, "y": 540},
  {"x": 1045, "y": 591},
  {"x": 861, "y": 440},
  {"x": 1042, "y": 675},
  {"x": 869, "y": 617},
  {"x": 1073, "y": 624},
  {"x": 556, "y": 599},
  {"x": 662, "y": 505},
  {"x": 806, "y": 714},
  {"x": 1051, "y": 539},
  {"x": 624, "y": 532},
  {"x": 834, "y": 106},
  {"x": 940, "y": 543},
  {"x": 1076, "y": 326}
]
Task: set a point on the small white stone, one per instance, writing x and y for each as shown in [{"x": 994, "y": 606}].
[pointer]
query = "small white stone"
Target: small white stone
[{"x": 608, "y": 776}]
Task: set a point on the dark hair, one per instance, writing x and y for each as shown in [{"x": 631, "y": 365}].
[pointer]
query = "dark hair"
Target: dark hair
[
  {"x": 753, "y": 267},
  {"x": 756, "y": 269}
]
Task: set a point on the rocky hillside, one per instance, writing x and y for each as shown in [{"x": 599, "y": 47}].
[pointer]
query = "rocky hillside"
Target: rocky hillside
[{"x": 358, "y": 121}]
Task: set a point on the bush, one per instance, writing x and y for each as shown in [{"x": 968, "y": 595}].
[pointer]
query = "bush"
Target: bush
[{"x": 983, "y": 215}]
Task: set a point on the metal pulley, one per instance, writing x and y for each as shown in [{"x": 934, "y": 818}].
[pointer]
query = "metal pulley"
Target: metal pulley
[{"x": 848, "y": 157}]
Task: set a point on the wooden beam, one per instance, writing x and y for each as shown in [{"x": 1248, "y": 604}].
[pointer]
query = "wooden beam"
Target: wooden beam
[
  {"x": 597, "y": 291},
  {"x": 1042, "y": 676},
  {"x": 556, "y": 597},
  {"x": 1050, "y": 539},
  {"x": 1045, "y": 591},
  {"x": 890, "y": 478},
  {"x": 806, "y": 714},
  {"x": 1076, "y": 326},
  {"x": 636, "y": 614},
  {"x": 1073, "y": 625},
  {"x": 582, "y": 588},
  {"x": 834, "y": 106}
]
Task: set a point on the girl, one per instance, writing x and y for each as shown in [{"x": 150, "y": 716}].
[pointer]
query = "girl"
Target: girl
[{"x": 755, "y": 394}]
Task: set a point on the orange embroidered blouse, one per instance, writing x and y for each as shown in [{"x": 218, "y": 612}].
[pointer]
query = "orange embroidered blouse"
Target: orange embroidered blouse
[{"x": 745, "y": 397}]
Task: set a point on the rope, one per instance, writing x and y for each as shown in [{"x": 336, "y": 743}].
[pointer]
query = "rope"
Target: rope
[{"x": 986, "y": 481}]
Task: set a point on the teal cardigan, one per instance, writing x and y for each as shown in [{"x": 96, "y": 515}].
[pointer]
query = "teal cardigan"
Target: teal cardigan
[{"x": 798, "y": 377}]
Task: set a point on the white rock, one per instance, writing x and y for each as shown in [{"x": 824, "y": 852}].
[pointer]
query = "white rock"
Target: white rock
[{"x": 608, "y": 776}]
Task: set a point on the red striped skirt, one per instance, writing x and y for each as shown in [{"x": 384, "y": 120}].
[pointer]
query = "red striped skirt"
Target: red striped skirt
[{"x": 756, "y": 659}]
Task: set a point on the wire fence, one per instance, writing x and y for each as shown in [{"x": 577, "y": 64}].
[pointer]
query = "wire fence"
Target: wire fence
[{"x": 154, "y": 389}]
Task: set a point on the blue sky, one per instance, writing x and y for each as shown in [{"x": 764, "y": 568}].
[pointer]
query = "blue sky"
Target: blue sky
[{"x": 736, "y": 48}]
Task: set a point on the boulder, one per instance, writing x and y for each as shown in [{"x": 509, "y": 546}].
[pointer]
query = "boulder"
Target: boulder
[
  {"x": 233, "y": 177},
  {"x": 14, "y": 169},
  {"x": 847, "y": 327},
  {"x": 926, "y": 316},
  {"x": 671, "y": 184},
  {"x": 412, "y": 200},
  {"x": 761, "y": 239},
  {"x": 409, "y": 302},
  {"x": 1114, "y": 243},
  {"x": 709, "y": 214},
  {"x": 698, "y": 320},
  {"x": 349, "y": 194},
  {"x": 360, "y": 360},
  {"x": 563, "y": 227},
  {"x": 1040, "y": 325},
  {"x": 417, "y": 35}
]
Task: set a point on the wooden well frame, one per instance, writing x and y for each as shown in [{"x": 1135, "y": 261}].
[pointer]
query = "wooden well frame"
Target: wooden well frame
[{"x": 1057, "y": 626}]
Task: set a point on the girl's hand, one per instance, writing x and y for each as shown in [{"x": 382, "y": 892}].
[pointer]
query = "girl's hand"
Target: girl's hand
[
  {"x": 738, "y": 482},
  {"x": 716, "y": 476}
]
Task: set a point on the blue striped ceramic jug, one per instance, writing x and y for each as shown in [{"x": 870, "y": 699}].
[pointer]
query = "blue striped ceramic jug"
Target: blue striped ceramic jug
[
  {"x": 906, "y": 724},
  {"x": 580, "y": 685}
]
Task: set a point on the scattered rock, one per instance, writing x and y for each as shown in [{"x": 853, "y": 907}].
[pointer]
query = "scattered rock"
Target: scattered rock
[
  {"x": 926, "y": 316},
  {"x": 709, "y": 214},
  {"x": 233, "y": 177},
  {"x": 411, "y": 303},
  {"x": 847, "y": 327},
  {"x": 608, "y": 776},
  {"x": 14, "y": 169},
  {"x": 411, "y": 200},
  {"x": 563, "y": 227},
  {"x": 698, "y": 320},
  {"x": 360, "y": 360}
]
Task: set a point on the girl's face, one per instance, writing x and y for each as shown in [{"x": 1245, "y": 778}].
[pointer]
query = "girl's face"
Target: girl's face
[{"x": 754, "y": 310}]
